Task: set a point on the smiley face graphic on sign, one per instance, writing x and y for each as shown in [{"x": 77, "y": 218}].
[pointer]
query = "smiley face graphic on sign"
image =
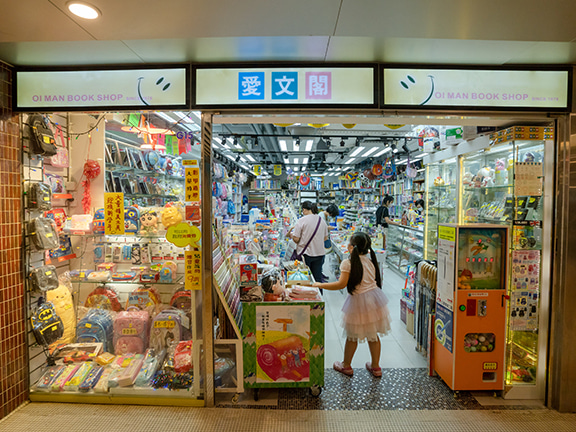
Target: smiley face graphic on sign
[{"x": 424, "y": 88}]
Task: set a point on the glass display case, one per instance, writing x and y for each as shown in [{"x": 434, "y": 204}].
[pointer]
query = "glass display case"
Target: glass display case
[
  {"x": 441, "y": 202},
  {"x": 488, "y": 186},
  {"x": 404, "y": 246},
  {"x": 503, "y": 185}
]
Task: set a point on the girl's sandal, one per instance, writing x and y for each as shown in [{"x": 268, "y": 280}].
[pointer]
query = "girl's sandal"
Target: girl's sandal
[
  {"x": 376, "y": 372},
  {"x": 348, "y": 371}
]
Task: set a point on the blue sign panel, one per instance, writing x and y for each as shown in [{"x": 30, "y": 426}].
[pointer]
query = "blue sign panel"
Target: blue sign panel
[
  {"x": 285, "y": 85},
  {"x": 250, "y": 85}
]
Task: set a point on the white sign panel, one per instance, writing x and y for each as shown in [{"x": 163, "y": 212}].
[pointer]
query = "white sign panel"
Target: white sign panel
[
  {"x": 445, "y": 288},
  {"x": 476, "y": 88},
  {"x": 101, "y": 88},
  {"x": 285, "y": 86}
]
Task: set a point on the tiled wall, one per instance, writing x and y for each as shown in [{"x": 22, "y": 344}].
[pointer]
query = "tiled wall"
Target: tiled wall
[{"x": 13, "y": 366}]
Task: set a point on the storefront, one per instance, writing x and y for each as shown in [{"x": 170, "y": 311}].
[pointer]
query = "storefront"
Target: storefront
[{"x": 365, "y": 132}]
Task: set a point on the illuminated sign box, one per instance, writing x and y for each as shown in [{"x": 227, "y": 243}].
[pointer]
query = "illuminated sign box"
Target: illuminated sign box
[
  {"x": 523, "y": 89},
  {"x": 162, "y": 88},
  {"x": 286, "y": 86}
]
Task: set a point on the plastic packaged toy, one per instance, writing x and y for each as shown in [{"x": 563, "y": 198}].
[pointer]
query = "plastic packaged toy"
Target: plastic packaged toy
[
  {"x": 151, "y": 364},
  {"x": 91, "y": 379},
  {"x": 45, "y": 382}
]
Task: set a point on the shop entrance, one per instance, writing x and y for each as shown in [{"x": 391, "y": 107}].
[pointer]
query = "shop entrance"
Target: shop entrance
[
  {"x": 434, "y": 171},
  {"x": 264, "y": 170}
]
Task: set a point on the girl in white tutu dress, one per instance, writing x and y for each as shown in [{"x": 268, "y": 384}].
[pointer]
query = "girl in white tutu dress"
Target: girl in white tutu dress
[{"x": 365, "y": 310}]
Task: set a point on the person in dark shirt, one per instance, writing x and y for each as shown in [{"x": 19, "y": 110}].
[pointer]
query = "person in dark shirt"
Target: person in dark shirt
[{"x": 383, "y": 214}]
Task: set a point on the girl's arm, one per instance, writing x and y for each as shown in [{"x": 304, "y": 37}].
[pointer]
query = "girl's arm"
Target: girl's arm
[{"x": 334, "y": 286}]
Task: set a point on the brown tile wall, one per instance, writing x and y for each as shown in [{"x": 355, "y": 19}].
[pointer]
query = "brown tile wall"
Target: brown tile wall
[{"x": 13, "y": 362}]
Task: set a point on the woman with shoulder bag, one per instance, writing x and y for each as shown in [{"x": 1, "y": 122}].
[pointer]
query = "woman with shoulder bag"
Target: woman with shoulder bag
[{"x": 309, "y": 234}]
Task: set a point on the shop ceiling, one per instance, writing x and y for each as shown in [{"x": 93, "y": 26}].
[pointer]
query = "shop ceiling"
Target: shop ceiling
[{"x": 43, "y": 32}]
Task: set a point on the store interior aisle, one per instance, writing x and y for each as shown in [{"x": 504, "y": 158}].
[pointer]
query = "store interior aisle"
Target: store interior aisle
[{"x": 398, "y": 347}]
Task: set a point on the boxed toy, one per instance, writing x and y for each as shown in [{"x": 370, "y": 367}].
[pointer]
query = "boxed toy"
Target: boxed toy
[{"x": 248, "y": 270}]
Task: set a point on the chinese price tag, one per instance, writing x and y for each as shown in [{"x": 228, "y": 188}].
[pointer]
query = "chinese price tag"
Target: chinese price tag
[
  {"x": 193, "y": 270},
  {"x": 113, "y": 213}
]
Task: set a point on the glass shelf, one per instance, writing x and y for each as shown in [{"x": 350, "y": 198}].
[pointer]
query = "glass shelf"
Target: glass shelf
[
  {"x": 178, "y": 280},
  {"x": 148, "y": 173}
]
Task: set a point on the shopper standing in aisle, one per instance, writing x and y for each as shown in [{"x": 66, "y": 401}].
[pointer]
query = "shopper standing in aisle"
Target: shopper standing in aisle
[
  {"x": 365, "y": 310},
  {"x": 383, "y": 212},
  {"x": 331, "y": 211},
  {"x": 309, "y": 234}
]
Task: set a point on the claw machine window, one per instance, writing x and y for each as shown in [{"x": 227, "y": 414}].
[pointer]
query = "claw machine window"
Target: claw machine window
[{"x": 441, "y": 202}]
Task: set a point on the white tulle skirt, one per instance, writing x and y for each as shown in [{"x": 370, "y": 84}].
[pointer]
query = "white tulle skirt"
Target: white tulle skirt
[{"x": 366, "y": 316}]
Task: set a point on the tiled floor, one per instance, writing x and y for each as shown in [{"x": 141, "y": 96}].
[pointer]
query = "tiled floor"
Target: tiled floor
[
  {"x": 50, "y": 417},
  {"x": 398, "y": 347},
  {"x": 405, "y": 384}
]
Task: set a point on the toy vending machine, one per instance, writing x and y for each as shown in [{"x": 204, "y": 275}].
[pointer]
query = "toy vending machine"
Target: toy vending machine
[{"x": 470, "y": 324}]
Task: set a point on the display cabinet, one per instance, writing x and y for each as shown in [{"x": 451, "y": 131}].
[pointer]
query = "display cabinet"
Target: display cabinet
[
  {"x": 404, "y": 246},
  {"x": 441, "y": 191},
  {"x": 504, "y": 185}
]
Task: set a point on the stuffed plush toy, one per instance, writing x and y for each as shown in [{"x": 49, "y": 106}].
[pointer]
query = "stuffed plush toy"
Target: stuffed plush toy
[{"x": 149, "y": 223}]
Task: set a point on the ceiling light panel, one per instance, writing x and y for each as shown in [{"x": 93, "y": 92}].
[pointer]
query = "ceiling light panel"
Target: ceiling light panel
[
  {"x": 370, "y": 151},
  {"x": 309, "y": 145},
  {"x": 357, "y": 151}
]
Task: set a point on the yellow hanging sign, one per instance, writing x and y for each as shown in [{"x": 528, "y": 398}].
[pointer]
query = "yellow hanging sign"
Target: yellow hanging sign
[
  {"x": 257, "y": 170},
  {"x": 277, "y": 170},
  {"x": 114, "y": 213},
  {"x": 192, "y": 185},
  {"x": 193, "y": 270}
]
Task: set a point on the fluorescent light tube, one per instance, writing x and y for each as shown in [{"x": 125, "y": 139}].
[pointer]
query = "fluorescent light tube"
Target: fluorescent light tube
[
  {"x": 309, "y": 145},
  {"x": 370, "y": 151},
  {"x": 381, "y": 152},
  {"x": 357, "y": 151},
  {"x": 283, "y": 145}
]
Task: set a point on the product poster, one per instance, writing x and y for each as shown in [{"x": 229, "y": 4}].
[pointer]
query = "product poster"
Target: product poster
[
  {"x": 525, "y": 270},
  {"x": 282, "y": 343},
  {"x": 443, "y": 326},
  {"x": 528, "y": 178},
  {"x": 524, "y": 311},
  {"x": 446, "y": 257}
]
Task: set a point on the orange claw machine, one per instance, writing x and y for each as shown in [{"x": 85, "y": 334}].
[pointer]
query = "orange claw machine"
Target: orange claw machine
[{"x": 470, "y": 323}]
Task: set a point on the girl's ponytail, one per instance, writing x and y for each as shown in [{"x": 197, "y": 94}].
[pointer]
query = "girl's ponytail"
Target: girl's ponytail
[
  {"x": 356, "y": 270},
  {"x": 375, "y": 262}
]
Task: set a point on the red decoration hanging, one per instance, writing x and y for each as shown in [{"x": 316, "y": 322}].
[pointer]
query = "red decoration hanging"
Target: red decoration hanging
[{"x": 91, "y": 171}]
